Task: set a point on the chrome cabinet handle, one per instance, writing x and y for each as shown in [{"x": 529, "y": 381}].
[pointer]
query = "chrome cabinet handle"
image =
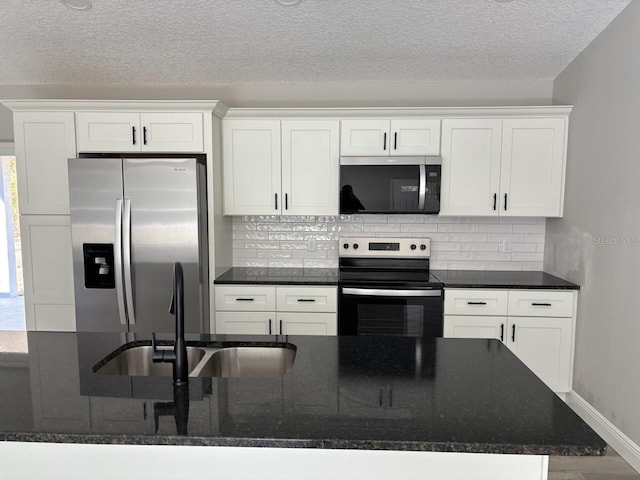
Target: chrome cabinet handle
[
  {"x": 117, "y": 253},
  {"x": 128, "y": 277}
]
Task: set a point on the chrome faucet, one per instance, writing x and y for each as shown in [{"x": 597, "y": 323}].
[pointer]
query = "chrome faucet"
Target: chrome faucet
[{"x": 177, "y": 356}]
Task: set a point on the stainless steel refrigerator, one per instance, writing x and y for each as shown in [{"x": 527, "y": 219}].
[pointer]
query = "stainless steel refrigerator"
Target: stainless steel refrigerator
[{"x": 132, "y": 217}]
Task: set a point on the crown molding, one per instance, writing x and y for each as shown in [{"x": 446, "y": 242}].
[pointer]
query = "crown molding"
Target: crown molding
[
  {"x": 441, "y": 112},
  {"x": 219, "y": 109}
]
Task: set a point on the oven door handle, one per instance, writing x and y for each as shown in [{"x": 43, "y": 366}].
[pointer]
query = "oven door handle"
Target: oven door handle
[{"x": 391, "y": 293}]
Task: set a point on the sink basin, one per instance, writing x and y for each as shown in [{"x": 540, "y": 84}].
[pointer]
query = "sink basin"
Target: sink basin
[
  {"x": 136, "y": 361},
  {"x": 250, "y": 361},
  {"x": 232, "y": 361}
]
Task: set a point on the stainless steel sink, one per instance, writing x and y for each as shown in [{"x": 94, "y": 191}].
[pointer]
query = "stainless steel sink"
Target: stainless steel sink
[
  {"x": 232, "y": 361},
  {"x": 247, "y": 362},
  {"x": 136, "y": 361}
]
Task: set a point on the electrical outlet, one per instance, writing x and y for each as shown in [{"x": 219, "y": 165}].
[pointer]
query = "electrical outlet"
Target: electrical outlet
[
  {"x": 506, "y": 246},
  {"x": 311, "y": 244}
]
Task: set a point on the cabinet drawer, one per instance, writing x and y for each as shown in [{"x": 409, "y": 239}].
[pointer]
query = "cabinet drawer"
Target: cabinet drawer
[
  {"x": 245, "y": 298},
  {"x": 307, "y": 299},
  {"x": 541, "y": 303},
  {"x": 475, "y": 302}
]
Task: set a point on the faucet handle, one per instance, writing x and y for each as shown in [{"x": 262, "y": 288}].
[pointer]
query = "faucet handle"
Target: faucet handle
[{"x": 160, "y": 355}]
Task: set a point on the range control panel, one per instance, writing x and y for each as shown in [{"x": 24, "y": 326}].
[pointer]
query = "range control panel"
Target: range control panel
[{"x": 374, "y": 247}]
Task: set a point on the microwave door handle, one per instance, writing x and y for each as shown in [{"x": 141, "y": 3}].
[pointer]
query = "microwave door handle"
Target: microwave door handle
[
  {"x": 422, "y": 189},
  {"x": 370, "y": 292}
]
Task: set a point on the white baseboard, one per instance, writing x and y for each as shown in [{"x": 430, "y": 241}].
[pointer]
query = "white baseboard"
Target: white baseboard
[{"x": 622, "y": 444}]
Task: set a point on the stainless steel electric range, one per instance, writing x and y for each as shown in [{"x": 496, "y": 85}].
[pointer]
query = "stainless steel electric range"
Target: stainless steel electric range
[{"x": 385, "y": 288}]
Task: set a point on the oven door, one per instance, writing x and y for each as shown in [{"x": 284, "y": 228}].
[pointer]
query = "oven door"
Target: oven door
[{"x": 373, "y": 311}]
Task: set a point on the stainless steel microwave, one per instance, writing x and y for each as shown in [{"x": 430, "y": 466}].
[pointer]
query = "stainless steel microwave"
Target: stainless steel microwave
[{"x": 390, "y": 184}]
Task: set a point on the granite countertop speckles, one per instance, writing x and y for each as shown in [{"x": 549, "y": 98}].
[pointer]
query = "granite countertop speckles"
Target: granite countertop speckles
[
  {"x": 380, "y": 393},
  {"x": 450, "y": 278}
]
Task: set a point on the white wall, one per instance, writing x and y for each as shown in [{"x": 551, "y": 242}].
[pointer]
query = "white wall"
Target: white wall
[
  {"x": 597, "y": 243},
  {"x": 338, "y": 94}
]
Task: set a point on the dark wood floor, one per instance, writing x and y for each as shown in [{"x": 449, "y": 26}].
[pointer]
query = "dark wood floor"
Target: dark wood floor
[{"x": 609, "y": 467}]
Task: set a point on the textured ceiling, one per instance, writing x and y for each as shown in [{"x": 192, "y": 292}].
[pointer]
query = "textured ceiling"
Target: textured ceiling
[{"x": 206, "y": 42}]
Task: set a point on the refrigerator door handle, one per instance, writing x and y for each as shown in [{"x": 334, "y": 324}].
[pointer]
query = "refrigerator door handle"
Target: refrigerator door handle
[
  {"x": 126, "y": 253},
  {"x": 117, "y": 253}
]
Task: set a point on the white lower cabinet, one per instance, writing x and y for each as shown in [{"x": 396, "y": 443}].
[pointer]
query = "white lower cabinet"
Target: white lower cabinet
[
  {"x": 276, "y": 310},
  {"x": 544, "y": 343},
  {"x": 48, "y": 272}
]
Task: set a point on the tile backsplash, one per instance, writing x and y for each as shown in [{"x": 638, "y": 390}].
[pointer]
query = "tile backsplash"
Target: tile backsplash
[{"x": 457, "y": 243}]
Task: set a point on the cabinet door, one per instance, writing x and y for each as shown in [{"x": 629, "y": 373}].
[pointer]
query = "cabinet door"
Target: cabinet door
[
  {"x": 307, "y": 323},
  {"x": 533, "y": 167},
  {"x": 172, "y": 132},
  {"x": 544, "y": 345},
  {"x": 469, "y": 326},
  {"x": 48, "y": 272},
  {"x": 43, "y": 143},
  {"x": 470, "y": 166},
  {"x": 365, "y": 137},
  {"x": 310, "y": 163},
  {"x": 108, "y": 132},
  {"x": 251, "y": 162},
  {"x": 245, "y": 323},
  {"x": 415, "y": 136}
]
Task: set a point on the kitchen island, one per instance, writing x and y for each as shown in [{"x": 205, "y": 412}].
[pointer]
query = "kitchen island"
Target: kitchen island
[{"x": 349, "y": 407}]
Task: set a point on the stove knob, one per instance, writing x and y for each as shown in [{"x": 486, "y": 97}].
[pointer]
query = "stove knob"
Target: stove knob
[
  {"x": 423, "y": 247},
  {"x": 346, "y": 246},
  {"x": 355, "y": 246},
  {"x": 413, "y": 246}
]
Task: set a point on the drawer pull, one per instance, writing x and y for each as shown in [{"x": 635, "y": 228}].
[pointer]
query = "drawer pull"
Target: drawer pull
[
  {"x": 502, "y": 332},
  {"x": 245, "y": 299},
  {"x": 306, "y": 299},
  {"x": 513, "y": 333},
  {"x": 537, "y": 304},
  {"x": 476, "y": 303},
  {"x": 280, "y": 327},
  {"x": 269, "y": 326}
]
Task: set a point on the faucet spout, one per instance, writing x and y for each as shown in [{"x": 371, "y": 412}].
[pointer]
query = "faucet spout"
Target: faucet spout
[{"x": 178, "y": 356}]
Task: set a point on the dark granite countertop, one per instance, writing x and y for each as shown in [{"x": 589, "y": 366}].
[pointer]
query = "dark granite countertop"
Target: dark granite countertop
[
  {"x": 450, "y": 278},
  {"x": 502, "y": 279},
  {"x": 279, "y": 276},
  {"x": 380, "y": 393}
]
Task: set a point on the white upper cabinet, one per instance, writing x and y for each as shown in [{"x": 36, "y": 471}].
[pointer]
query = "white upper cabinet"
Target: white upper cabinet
[
  {"x": 470, "y": 166},
  {"x": 43, "y": 143},
  {"x": 384, "y": 137},
  {"x": 310, "y": 162},
  {"x": 532, "y": 173},
  {"x": 505, "y": 167},
  {"x": 251, "y": 166},
  {"x": 140, "y": 132},
  {"x": 274, "y": 167}
]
